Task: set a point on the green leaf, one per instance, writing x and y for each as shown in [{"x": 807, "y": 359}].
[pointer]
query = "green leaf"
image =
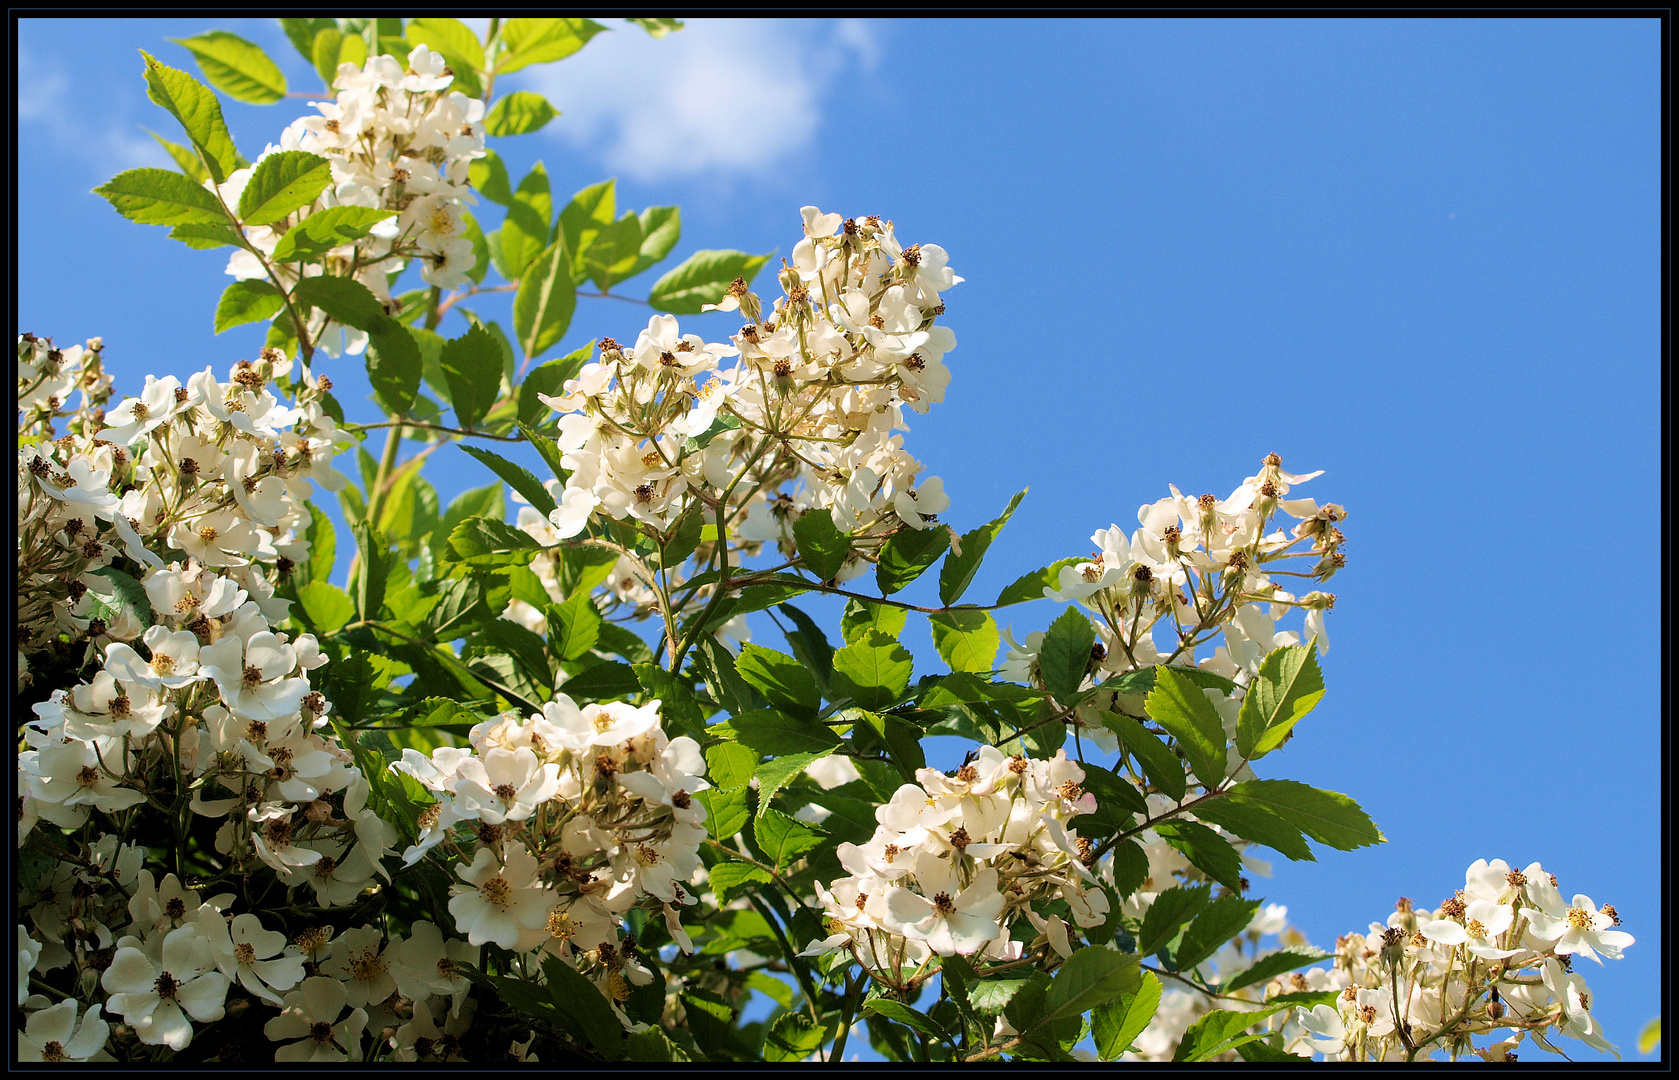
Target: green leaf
[
  {"x": 1221, "y": 1030},
  {"x": 902, "y": 739},
  {"x": 376, "y": 560},
  {"x": 576, "y": 997},
  {"x": 332, "y": 48},
  {"x": 204, "y": 237},
  {"x": 524, "y": 233},
  {"x": 1272, "y": 965},
  {"x": 1090, "y": 977},
  {"x": 683, "y": 537},
  {"x": 1289, "y": 686},
  {"x": 526, "y": 649},
  {"x": 185, "y": 159},
  {"x": 1031, "y": 586},
  {"x": 1267, "y": 1048},
  {"x": 725, "y": 811},
  {"x": 477, "y": 536},
  {"x": 200, "y": 114},
  {"x": 903, "y": 1014},
  {"x": 326, "y": 607},
  {"x": 236, "y": 67},
  {"x": 861, "y": 617},
  {"x": 661, "y": 228},
  {"x": 967, "y": 638},
  {"x": 614, "y": 252},
  {"x": 1158, "y": 763},
  {"x": 1219, "y": 921},
  {"x": 1115, "y": 797},
  {"x": 543, "y": 307},
  {"x": 573, "y": 627},
  {"x": 959, "y": 570},
  {"x": 344, "y": 299},
  {"x": 301, "y": 33},
  {"x": 1179, "y": 706},
  {"x": 393, "y": 368},
  {"x": 873, "y": 671},
  {"x": 703, "y": 278},
  {"x": 810, "y": 645},
  {"x": 246, "y": 302},
  {"x": 730, "y": 765},
  {"x": 1326, "y": 816},
  {"x": 1117, "y": 1023},
  {"x": 730, "y": 879},
  {"x": 793, "y": 1036},
  {"x": 1170, "y": 912},
  {"x": 127, "y": 594},
  {"x": 783, "y": 839},
  {"x": 1254, "y": 822},
  {"x": 472, "y": 365},
  {"x": 517, "y": 477},
  {"x": 519, "y": 113},
  {"x": 282, "y": 183},
  {"x": 451, "y": 37},
  {"x": 488, "y": 177},
  {"x": 326, "y": 230},
  {"x": 541, "y": 41},
  {"x": 766, "y": 731},
  {"x": 780, "y": 678},
  {"x": 1064, "y": 656},
  {"x": 775, "y": 774},
  {"x": 161, "y": 197},
  {"x": 549, "y": 379},
  {"x": 1206, "y": 850},
  {"x": 822, "y": 546},
  {"x": 907, "y": 555},
  {"x": 589, "y": 211},
  {"x": 727, "y": 687},
  {"x": 603, "y": 682},
  {"x": 658, "y": 27},
  {"x": 1130, "y": 868}
]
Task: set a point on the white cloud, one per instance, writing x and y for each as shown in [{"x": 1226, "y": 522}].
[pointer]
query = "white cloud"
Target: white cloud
[
  {"x": 720, "y": 96},
  {"x": 78, "y": 127}
]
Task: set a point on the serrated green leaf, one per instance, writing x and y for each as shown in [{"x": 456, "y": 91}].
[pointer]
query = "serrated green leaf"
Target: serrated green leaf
[
  {"x": 1171, "y": 911},
  {"x": 703, "y": 278},
  {"x": 1271, "y": 965},
  {"x": 575, "y": 996},
  {"x": 1206, "y": 850},
  {"x": 780, "y": 678},
  {"x": 573, "y": 627},
  {"x": 1289, "y": 686},
  {"x": 765, "y": 731},
  {"x": 327, "y": 229},
  {"x": 1177, "y": 704},
  {"x": 301, "y": 33},
  {"x": 1117, "y": 1023},
  {"x": 661, "y": 228},
  {"x": 1064, "y": 657},
  {"x": 376, "y": 560},
  {"x": 1114, "y": 796},
  {"x": 519, "y": 113},
  {"x": 1089, "y": 978},
  {"x": 861, "y": 617},
  {"x": 246, "y": 302},
  {"x": 810, "y": 645},
  {"x": 902, "y": 739},
  {"x": 873, "y": 671},
  {"x": 1222, "y": 1030},
  {"x": 393, "y": 365},
  {"x": 282, "y": 183},
  {"x": 542, "y": 41},
  {"x": 161, "y": 197},
  {"x": 1158, "y": 763},
  {"x": 730, "y": 879},
  {"x": 346, "y": 300},
  {"x": 907, "y": 555},
  {"x": 524, "y": 232},
  {"x": 822, "y": 546},
  {"x": 794, "y": 1036},
  {"x": 484, "y": 536},
  {"x": 725, "y": 810},
  {"x": 903, "y": 1014},
  {"x": 775, "y": 774},
  {"x": 782, "y": 838},
  {"x": 612, "y": 255},
  {"x": 1218, "y": 922},
  {"x": 237, "y": 67},
  {"x": 967, "y": 639},
  {"x": 1326, "y": 816},
  {"x": 605, "y": 681},
  {"x": 203, "y": 237},
  {"x": 730, "y": 765},
  {"x": 472, "y": 364},
  {"x": 185, "y": 159},
  {"x": 488, "y": 177},
  {"x": 583, "y": 217},
  {"x": 1031, "y": 586},
  {"x": 126, "y": 594},
  {"x": 1254, "y": 822},
  {"x": 550, "y": 379},
  {"x": 200, "y": 114},
  {"x": 332, "y": 48},
  {"x": 547, "y": 297},
  {"x": 517, "y": 477},
  {"x": 959, "y": 570},
  {"x": 451, "y": 37}
]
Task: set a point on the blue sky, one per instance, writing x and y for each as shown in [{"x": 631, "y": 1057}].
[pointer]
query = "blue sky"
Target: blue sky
[{"x": 1420, "y": 255}]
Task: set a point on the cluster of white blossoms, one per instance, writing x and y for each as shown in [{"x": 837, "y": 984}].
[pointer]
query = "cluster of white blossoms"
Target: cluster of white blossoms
[
  {"x": 211, "y": 476},
  {"x": 397, "y": 139},
  {"x": 804, "y": 419},
  {"x": 560, "y": 823},
  {"x": 957, "y": 863},
  {"x": 1497, "y": 956}
]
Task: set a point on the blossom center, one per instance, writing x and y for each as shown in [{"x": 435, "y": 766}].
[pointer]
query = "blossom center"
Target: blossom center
[
  {"x": 166, "y": 987},
  {"x": 320, "y": 1031},
  {"x": 495, "y": 890},
  {"x": 88, "y": 776},
  {"x": 1578, "y": 919},
  {"x": 943, "y": 904},
  {"x": 245, "y": 953}
]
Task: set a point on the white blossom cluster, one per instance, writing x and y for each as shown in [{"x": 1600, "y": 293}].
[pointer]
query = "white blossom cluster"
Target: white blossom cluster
[
  {"x": 1497, "y": 956},
  {"x": 398, "y": 139},
  {"x": 560, "y": 823},
  {"x": 957, "y": 863},
  {"x": 804, "y": 419},
  {"x": 212, "y": 475}
]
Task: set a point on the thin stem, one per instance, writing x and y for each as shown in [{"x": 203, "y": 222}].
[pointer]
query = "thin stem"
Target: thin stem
[{"x": 420, "y": 426}]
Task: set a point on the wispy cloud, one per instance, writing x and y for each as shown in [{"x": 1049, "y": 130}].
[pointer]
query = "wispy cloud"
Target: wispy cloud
[
  {"x": 721, "y": 96},
  {"x": 48, "y": 104}
]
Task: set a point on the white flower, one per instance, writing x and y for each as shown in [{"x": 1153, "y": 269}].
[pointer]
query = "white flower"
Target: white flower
[
  {"x": 949, "y": 924},
  {"x": 311, "y": 1017},
  {"x": 252, "y": 956},
  {"x": 52, "y": 1034},
  {"x": 156, "y": 996},
  {"x": 503, "y": 902},
  {"x": 1579, "y": 928}
]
